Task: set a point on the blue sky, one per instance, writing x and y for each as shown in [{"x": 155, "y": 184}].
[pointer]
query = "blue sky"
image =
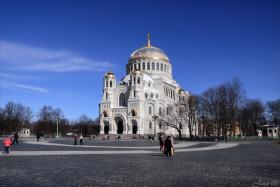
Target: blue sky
[{"x": 56, "y": 52}]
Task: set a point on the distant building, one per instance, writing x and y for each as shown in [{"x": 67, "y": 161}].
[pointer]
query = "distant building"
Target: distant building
[
  {"x": 270, "y": 131},
  {"x": 259, "y": 132},
  {"x": 25, "y": 132},
  {"x": 212, "y": 130},
  {"x": 132, "y": 105}
]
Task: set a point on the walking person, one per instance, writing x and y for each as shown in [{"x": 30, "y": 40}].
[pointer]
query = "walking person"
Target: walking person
[
  {"x": 7, "y": 144},
  {"x": 38, "y": 135},
  {"x": 15, "y": 138},
  {"x": 75, "y": 139},
  {"x": 81, "y": 140},
  {"x": 161, "y": 143},
  {"x": 119, "y": 137},
  {"x": 169, "y": 148}
]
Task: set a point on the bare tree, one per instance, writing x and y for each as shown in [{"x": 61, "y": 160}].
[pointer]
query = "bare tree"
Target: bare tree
[
  {"x": 173, "y": 117},
  {"x": 187, "y": 109},
  {"x": 2, "y": 120},
  {"x": 86, "y": 126},
  {"x": 274, "y": 111},
  {"x": 218, "y": 108},
  {"x": 14, "y": 116},
  {"x": 257, "y": 117},
  {"x": 47, "y": 118},
  {"x": 208, "y": 112},
  {"x": 181, "y": 115},
  {"x": 48, "y": 113}
]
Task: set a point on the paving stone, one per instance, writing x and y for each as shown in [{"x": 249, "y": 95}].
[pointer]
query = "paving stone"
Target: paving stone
[{"x": 249, "y": 164}]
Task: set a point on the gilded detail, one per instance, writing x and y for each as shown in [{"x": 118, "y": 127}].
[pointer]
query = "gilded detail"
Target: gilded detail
[{"x": 149, "y": 52}]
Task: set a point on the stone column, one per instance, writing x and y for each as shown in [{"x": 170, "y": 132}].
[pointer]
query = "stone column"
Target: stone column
[
  {"x": 101, "y": 127},
  {"x": 129, "y": 128}
]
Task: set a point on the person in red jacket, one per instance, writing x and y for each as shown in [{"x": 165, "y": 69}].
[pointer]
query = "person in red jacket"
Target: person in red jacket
[{"x": 7, "y": 144}]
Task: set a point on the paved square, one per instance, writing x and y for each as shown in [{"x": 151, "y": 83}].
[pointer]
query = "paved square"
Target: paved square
[{"x": 105, "y": 164}]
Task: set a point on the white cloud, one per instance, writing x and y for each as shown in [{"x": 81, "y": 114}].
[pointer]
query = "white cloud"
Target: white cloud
[
  {"x": 23, "y": 87},
  {"x": 15, "y": 56},
  {"x": 13, "y": 76}
]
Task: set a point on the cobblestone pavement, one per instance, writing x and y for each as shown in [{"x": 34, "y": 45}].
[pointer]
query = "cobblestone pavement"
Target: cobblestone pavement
[{"x": 249, "y": 164}]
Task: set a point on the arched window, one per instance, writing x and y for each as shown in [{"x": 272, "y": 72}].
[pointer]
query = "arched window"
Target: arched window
[
  {"x": 138, "y": 80},
  {"x": 134, "y": 65},
  {"x": 157, "y": 66},
  {"x": 153, "y": 66},
  {"x": 150, "y": 125},
  {"x": 167, "y": 110},
  {"x": 139, "y": 66},
  {"x": 134, "y": 80},
  {"x": 159, "y": 111},
  {"x": 148, "y": 65},
  {"x": 133, "y": 113},
  {"x": 134, "y": 93},
  {"x": 106, "y": 83},
  {"x": 111, "y": 84},
  {"x": 105, "y": 114},
  {"x": 165, "y": 67},
  {"x": 149, "y": 84},
  {"x": 150, "y": 110},
  {"x": 152, "y": 95},
  {"x": 106, "y": 95},
  {"x": 122, "y": 99},
  {"x": 160, "y": 125},
  {"x": 161, "y": 67},
  {"x": 143, "y": 66}
]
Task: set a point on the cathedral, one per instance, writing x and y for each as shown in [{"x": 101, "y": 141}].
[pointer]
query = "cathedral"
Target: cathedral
[{"x": 133, "y": 105}]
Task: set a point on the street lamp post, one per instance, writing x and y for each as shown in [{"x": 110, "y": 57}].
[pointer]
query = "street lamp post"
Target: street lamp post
[
  {"x": 155, "y": 117},
  {"x": 57, "y": 122}
]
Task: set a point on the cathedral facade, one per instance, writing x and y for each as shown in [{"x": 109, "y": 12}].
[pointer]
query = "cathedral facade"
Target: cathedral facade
[{"x": 133, "y": 105}]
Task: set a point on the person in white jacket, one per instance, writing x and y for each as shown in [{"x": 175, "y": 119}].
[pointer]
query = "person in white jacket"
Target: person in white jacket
[{"x": 81, "y": 140}]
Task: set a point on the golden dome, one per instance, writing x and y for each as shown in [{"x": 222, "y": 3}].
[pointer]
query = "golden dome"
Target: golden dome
[
  {"x": 109, "y": 75},
  {"x": 148, "y": 52}
]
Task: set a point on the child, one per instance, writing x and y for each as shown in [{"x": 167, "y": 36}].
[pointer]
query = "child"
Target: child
[{"x": 7, "y": 144}]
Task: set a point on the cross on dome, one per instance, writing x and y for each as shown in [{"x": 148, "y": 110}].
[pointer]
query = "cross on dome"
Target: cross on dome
[{"x": 149, "y": 40}]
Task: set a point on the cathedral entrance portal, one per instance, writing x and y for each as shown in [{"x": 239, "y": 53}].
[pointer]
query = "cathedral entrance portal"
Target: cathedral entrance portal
[
  {"x": 134, "y": 127},
  {"x": 120, "y": 127},
  {"x": 106, "y": 127},
  {"x": 119, "y": 124}
]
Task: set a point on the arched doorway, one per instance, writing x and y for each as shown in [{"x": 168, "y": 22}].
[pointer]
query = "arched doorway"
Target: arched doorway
[
  {"x": 120, "y": 125},
  {"x": 134, "y": 127},
  {"x": 106, "y": 127}
]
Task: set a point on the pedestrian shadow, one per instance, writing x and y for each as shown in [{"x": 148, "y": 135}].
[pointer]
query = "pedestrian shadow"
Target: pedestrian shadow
[{"x": 158, "y": 154}]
